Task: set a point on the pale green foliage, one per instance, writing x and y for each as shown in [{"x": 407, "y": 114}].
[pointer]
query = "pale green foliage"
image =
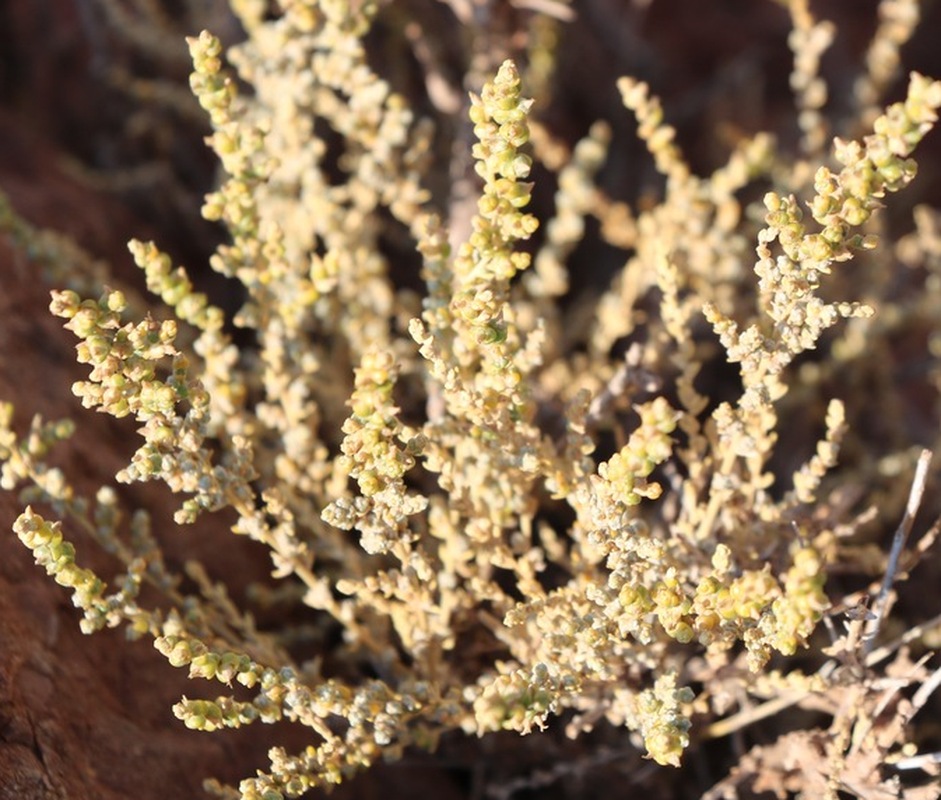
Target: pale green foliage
[{"x": 408, "y": 535}]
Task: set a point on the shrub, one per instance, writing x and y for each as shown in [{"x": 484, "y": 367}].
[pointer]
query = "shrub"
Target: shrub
[{"x": 500, "y": 520}]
